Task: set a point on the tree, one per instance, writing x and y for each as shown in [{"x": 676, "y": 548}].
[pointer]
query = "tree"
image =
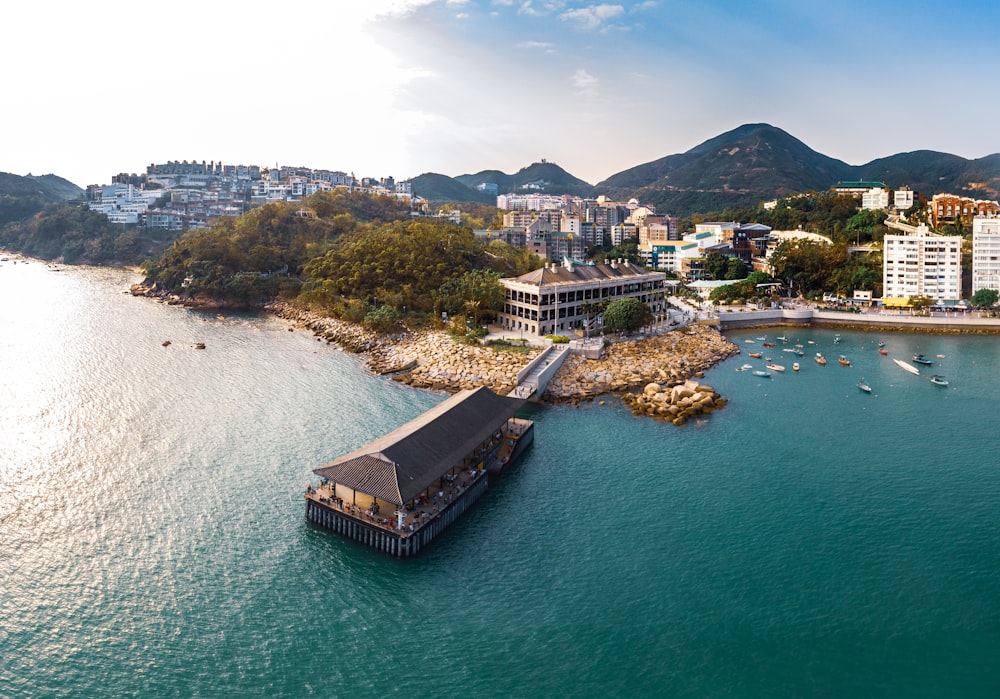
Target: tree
[
  {"x": 736, "y": 268},
  {"x": 627, "y": 315},
  {"x": 716, "y": 265},
  {"x": 984, "y": 298}
]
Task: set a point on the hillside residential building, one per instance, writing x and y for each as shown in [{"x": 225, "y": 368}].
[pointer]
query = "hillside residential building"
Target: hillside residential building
[
  {"x": 557, "y": 246},
  {"x": 950, "y": 208},
  {"x": 876, "y": 199},
  {"x": 623, "y": 233},
  {"x": 985, "y": 253},
  {"x": 922, "y": 264},
  {"x": 122, "y": 203},
  {"x": 902, "y": 198},
  {"x": 558, "y": 299}
]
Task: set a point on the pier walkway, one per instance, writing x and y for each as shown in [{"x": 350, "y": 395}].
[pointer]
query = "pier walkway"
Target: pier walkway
[{"x": 532, "y": 379}]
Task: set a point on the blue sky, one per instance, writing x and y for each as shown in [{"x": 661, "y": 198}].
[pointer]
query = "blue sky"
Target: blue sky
[{"x": 403, "y": 87}]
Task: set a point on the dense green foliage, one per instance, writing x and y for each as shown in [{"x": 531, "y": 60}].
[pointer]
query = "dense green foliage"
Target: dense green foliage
[
  {"x": 984, "y": 298},
  {"x": 719, "y": 266},
  {"x": 745, "y": 290},
  {"x": 626, "y": 315},
  {"x": 74, "y": 234},
  {"x": 826, "y": 213},
  {"x": 358, "y": 257},
  {"x": 811, "y": 268},
  {"x": 252, "y": 258},
  {"x": 626, "y": 251}
]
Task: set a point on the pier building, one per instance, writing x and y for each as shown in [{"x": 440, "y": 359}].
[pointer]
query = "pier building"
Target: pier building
[{"x": 402, "y": 490}]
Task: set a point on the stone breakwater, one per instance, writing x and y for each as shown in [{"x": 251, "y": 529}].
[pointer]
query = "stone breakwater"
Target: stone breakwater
[
  {"x": 678, "y": 404},
  {"x": 433, "y": 360}
]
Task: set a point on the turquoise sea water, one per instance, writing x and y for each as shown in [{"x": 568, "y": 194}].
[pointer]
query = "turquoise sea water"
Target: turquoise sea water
[{"x": 809, "y": 539}]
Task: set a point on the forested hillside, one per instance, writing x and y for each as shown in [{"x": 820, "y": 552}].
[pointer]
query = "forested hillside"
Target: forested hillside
[{"x": 351, "y": 255}]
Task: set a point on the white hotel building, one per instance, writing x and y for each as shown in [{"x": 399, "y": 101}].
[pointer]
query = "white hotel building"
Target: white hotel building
[
  {"x": 985, "y": 253},
  {"x": 922, "y": 264}
]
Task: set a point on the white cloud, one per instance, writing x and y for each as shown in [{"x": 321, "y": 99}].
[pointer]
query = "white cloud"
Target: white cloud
[
  {"x": 585, "y": 83},
  {"x": 527, "y": 9},
  {"x": 462, "y": 15},
  {"x": 593, "y": 16},
  {"x": 539, "y": 45}
]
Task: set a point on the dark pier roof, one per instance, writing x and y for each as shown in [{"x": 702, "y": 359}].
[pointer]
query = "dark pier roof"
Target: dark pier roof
[{"x": 399, "y": 466}]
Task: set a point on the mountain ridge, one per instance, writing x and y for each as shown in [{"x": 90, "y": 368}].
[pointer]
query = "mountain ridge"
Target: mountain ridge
[{"x": 746, "y": 166}]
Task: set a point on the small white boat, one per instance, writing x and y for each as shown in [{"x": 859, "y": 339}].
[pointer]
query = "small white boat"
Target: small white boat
[
  {"x": 775, "y": 367},
  {"x": 764, "y": 374},
  {"x": 864, "y": 387},
  {"x": 782, "y": 339},
  {"x": 939, "y": 380},
  {"x": 908, "y": 367},
  {"x": 745, "y": 367},
  {"x": 795, "y": 367}
]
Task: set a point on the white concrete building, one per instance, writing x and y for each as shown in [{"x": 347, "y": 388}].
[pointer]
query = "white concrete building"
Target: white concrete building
[
  {"x": 875, "y": 198},
  {"x": 902, "y": 198},
  {"x": 985, "y": 253},
  {"x": 922, "y": 264}
]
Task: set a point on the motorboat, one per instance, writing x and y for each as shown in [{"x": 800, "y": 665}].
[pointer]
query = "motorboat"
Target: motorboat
[
  {"x": 820, "y": 359},
  {"x": 843, "y": 361},
  {"x": 921, "y": 359},
  {"x": 939, "y": 380},
  {"x": 795, "y": 366},
  {"x": 762, "y": 373},
  {"x": 775, "y": 367},
  {"x": 756, "y": 355},
  {"x": 864, "y": 387},
  {"x": 883, "y": 351},
  {"x": 903, "y": 365}
]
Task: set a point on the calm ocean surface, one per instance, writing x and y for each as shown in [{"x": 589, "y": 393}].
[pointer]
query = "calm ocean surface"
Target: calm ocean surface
[{"x": 807, "y": 540}]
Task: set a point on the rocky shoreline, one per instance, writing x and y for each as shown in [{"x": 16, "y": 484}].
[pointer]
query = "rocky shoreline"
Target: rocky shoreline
[{"x": 433, "y": 360}]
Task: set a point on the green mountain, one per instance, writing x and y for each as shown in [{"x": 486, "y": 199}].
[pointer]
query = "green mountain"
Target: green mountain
[
  {"x": 741, "y": 168},
  {"x": 758, "y": 162},
  {"x": 437, "y": 188},
  {"x": 21, "y": 197},
  {"x": 543, "y": 176},
  {"x": 929, "y": 172}
]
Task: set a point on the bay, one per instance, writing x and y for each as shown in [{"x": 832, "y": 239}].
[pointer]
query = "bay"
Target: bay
[{"x": 807, "y": 539}]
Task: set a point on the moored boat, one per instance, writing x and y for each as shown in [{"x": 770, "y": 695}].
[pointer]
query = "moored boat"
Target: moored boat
[
  {"x": 843, "y": 361},
  {"x": 762, "y": 373},
  {"x": 903, "y": 365},
  {"x": 883, "y": 351},
  {"x": 795, "y": 366},
  {"x": 864, "y": 387},
  {"x": 775, "y": 367},
  {"x": 921, "y": 359},
  {"x": 769, "y": 344},
  {"x": 939, "y": 380},
  {"x": 756, "y": 355},
  {"x": 820, "y": 359}
]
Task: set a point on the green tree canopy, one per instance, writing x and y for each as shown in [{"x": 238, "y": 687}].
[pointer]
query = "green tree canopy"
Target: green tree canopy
[
  {"x": 984, "y": 298},
  {"x": 716, "y": 265},
  {"x": 627, "y": 315}
]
